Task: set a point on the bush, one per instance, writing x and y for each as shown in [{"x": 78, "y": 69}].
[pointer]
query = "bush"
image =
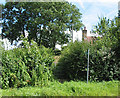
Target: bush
[
  {"x": 103, "y": 63},
  {"x": 28, "y": 65},
  {"x": 72, "y": 63}
]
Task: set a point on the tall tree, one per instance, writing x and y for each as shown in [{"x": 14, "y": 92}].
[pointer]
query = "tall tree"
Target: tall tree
[
  {"x": 106, "y": 26},
  {"x": 110, "y": 29},
  {"x": 45, "y": 22},
  {"x": 102, "y": 26}
]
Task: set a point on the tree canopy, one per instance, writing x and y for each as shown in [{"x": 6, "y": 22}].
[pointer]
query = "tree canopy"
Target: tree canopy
[
  {"x": 110, "y": 29},
  {"x": 44, "y": 22},
  {"x": 105, "y": 26}
]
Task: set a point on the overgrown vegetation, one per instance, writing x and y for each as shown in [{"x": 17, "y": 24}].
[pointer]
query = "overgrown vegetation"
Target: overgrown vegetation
[
  {"x": 71, "y": 88},
  {"x": 104, "y": 60},
  {"x": 28, "y": 65},
  {"x": 72, "y": 64},
  {"x": 33, "y": 65}
]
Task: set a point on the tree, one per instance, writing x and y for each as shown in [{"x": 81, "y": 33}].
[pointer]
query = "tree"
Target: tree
[
  {"x": 103, "y": 26},
  {"x": 106, "y": 26},
  {"x": 110, "y": 29},
  {"x": 45, "y": 22}
]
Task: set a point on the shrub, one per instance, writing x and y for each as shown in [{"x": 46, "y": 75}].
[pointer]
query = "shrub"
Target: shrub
[
  {"x": 72, "y": 63},
  {"x": 28, "y": 65},
  {"x": 103, "y": 63}
]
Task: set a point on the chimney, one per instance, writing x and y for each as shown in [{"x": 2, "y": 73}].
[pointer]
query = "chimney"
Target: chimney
[
  {"x": 84, "y": 34},
  {"x": 119, "y": 9}
]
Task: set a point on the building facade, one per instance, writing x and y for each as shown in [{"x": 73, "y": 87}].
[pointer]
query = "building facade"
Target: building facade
[{"x": 81, "y": 35}]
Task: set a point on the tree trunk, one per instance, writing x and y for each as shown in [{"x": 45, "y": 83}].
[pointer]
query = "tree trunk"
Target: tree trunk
[
  {"x": 39, "y": 42},
  {"x": 23, "y": 31}
]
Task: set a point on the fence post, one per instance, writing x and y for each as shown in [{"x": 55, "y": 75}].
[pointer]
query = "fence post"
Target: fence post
[{"x": 88, "y": 67}]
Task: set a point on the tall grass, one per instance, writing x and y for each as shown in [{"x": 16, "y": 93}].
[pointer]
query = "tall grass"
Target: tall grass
[{"x": 71, "y": 88}]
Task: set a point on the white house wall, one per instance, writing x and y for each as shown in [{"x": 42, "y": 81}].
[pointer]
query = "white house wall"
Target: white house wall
[{"x": 77, "y": 35}]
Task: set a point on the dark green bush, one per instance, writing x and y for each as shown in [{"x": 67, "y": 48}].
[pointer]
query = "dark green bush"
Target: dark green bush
[
  {"x": 103, "y": 63},
  {"x": 73, "y": 62},
  {"x": 29, "y": 65}
]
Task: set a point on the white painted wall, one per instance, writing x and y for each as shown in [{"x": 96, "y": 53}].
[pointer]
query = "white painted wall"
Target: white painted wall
[{"x": 77, "y": 35}]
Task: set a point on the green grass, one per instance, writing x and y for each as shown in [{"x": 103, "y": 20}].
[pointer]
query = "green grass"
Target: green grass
[{"x": 67, "y": 89}]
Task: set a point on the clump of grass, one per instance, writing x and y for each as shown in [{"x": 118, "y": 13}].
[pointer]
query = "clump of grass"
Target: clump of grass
[{"x": 71, "y": 88}]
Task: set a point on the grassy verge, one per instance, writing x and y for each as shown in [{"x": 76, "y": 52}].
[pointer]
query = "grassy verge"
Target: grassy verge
[{"x": 67, "y": 89}]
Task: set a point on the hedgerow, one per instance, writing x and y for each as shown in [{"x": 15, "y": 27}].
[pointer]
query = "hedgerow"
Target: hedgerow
[{"x": 103, "y": 64}]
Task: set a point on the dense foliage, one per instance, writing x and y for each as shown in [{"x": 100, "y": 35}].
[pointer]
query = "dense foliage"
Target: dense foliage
[
  {"x": 32, "y": 64},
  {"x": 1, "y": 50},
  {"x": 45, "y": 22},
  {"x": 103, "y": 62},
  {"x": 27, "y": 65},
  {"x": 110, "y": 28},
  {"x": 73, "y": 62},
  {"x": 104, "y": 55}
]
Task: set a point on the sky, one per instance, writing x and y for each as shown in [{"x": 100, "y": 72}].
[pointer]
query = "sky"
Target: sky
[{"x": 92, "y": 9}]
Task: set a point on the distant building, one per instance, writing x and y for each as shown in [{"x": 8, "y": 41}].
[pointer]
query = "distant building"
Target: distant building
[
  {"x": 91, "y": 37},
  {"x": 77, "y": 35},
  {"x": 80, "y": 36}
]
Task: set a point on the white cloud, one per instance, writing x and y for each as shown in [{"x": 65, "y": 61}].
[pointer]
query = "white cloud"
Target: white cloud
[
  {"x": 80, "y": 2},
  {"x": 107, "y": 1},
  {"x": 90, "y": 17},
  {"x": 96, "y": 9},
  {"x": 2, "y": 1},
  {"x": 119, "y": 5},
  {"x": 111, "y": 13},
  {"x": 100, "y": 0}
]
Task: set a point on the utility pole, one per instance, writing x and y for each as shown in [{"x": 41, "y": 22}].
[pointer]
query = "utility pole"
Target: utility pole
[{"x": 88, "y": 67}]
